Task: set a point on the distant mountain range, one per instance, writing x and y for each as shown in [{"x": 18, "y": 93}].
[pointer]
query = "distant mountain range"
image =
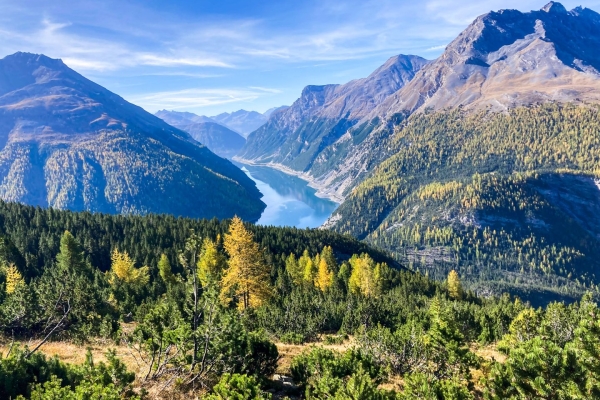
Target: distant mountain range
[
  {"x": 224, "y": 134},
  {"x": 69, "y": 143},
  {"x": 218, "y": 138},
  {"x": 484, "y": 160}
]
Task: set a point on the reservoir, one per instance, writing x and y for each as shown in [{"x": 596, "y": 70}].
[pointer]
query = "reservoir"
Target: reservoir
[{"x": 289, "y": 199}]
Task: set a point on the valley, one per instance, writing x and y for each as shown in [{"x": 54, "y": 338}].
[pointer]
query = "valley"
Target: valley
[{"x": 428, "y": 228}]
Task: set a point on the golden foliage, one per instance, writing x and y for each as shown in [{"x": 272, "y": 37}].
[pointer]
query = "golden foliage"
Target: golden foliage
[
  {"x": 123, "y": 269},
  {"x": 324, "y": 277},
  {"x": 247, "y": 275},
  {"x": 365, "y": 277},
  {"x": 14, "y": 278},
  {"x": 454, "y": 285},
  {"x": 210, "y": 264}
]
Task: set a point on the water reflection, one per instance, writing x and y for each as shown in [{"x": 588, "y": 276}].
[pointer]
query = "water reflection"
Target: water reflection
[{"x": 289, "y": 200}]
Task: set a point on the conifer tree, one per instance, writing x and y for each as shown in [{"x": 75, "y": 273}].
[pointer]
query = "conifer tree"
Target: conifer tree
[
  {"x": 210, "y": 264},
  {"x": 454, "y": 285},
  {"x": 165, "y": 271},
  {"x": 324, "y": 277},
  {"x": 247, "y": 276},
  {"x": 123, "y": 270},
  {"x": 292, "y": 266},
  {"x": 362, "y": 278},
  {"x": 307, "y": 265},
  {"x": 14, "y": 279}
]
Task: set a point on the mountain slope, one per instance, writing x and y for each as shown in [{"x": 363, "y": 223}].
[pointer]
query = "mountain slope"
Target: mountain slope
[
  {"x": 68, "y": 143},
  {"x": 241, "y": 121},
  {"x": 295, "y": 137},
  {"x": 218, "y": 138},
  {"x": 490, "y": 164}
]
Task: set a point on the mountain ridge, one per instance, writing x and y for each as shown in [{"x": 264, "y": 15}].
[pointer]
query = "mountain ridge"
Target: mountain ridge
[{"x": 67, "y": 142}]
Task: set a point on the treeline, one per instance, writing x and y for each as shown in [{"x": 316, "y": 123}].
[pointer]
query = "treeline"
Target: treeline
[{"x": 31, "y": 238}]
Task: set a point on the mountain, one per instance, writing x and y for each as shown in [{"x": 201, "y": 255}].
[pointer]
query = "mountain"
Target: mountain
[
  {"x": 175, "y": 118},
  {"x": 508, "y": 58},
  {"x": 241, "y": 121},
  {"x": 486, "y": 162},
  {"x": 274, "y": 109},
  {"x": 68, "y": 143},
  {"x": 218, "y": 138},
  {"x": 295, "y": 137}
]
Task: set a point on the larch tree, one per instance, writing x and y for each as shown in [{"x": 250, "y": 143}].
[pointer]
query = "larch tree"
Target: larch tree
[
  {"x": 454, "y": 286},
  {"x": 294, "y": 270},
  {"x": 246, "y": 278},
  {"x": 165, "y": 271},
  {"x": 14, "y": 279},
  {"x": 123, "y": 270},
  {"x": 210, "y": 264},
  {"x": 307, "y": 265},
  {"x": 324, "y": 277},
  {"x": 366, "y": 276}
]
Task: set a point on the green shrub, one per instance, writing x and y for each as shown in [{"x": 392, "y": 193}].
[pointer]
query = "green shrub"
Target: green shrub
[
  {"x": 292, "y": 338},
  {"x": 237, "y": 387}
]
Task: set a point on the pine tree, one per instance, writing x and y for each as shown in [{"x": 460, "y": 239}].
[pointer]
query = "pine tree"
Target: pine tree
[
  {"x": 14, "y": 279},
  {"x": 247, "y": 275},
  {"x": 454, "y": 285}
]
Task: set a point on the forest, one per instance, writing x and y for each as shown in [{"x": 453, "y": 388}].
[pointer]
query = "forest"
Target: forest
[
  {"x": 208, "y": 308},
  {"x": 506, "y": 199}
]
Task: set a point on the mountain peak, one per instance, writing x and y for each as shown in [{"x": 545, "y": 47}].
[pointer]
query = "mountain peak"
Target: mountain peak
[{"x": 554, "y": 7}]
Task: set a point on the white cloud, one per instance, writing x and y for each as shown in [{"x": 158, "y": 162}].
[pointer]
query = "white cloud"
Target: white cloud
[{"x": 199, "y": 97}]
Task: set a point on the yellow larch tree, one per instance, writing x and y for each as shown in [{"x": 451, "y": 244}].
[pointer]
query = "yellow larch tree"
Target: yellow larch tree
[
  {"x": 307, "y": 265},
  {"x": 247, "y": 275},
  {"x": 324, "y": 277},
  {"x": 123, "y": 269},
  {"x": 366, "y": 276},
  {"x": 13, "y": 278},
  {"x": 210, "y": 264},
  {"x": 294, "y": 270},
  {"x": 454, "y": 285}
]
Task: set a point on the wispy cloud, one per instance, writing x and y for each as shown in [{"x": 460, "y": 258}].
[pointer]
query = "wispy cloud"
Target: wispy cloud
[
  {"x": 436, "y": 48},
  {"x": 199, "y": 97}
]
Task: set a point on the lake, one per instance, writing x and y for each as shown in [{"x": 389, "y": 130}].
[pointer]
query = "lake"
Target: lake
[{"x": 289, "y": 199}]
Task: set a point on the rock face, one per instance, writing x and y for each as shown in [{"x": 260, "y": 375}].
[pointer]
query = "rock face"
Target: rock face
[
  {"x": 69, "y": 143},
  {"x": 295, "y": 137},
  {"x": 219, "y": 139},
  {"x": 509, "y": 58},
  {"x": 242, "y": 121}
]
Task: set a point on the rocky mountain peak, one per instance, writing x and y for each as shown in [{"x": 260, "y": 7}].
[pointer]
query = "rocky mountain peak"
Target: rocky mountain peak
[
  {"x": 554, "y": 7},
  {"x": 552, "y": 53}
]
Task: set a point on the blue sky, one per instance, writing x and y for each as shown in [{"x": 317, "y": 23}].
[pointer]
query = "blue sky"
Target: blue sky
[{"x": 214, "y": 56}]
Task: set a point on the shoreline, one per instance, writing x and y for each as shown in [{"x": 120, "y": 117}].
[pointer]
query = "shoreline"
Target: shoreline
[{"x": 302, "y": 175}]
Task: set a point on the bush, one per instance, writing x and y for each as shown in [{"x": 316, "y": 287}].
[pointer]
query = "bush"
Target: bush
[
  {"x": 261, "y": 357},
  {"x": 237, "y": 387},
  {"x": 335, "y": 339},
  {"x": 292, "y": 338},
  {"x": 319, "y": 362}
]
